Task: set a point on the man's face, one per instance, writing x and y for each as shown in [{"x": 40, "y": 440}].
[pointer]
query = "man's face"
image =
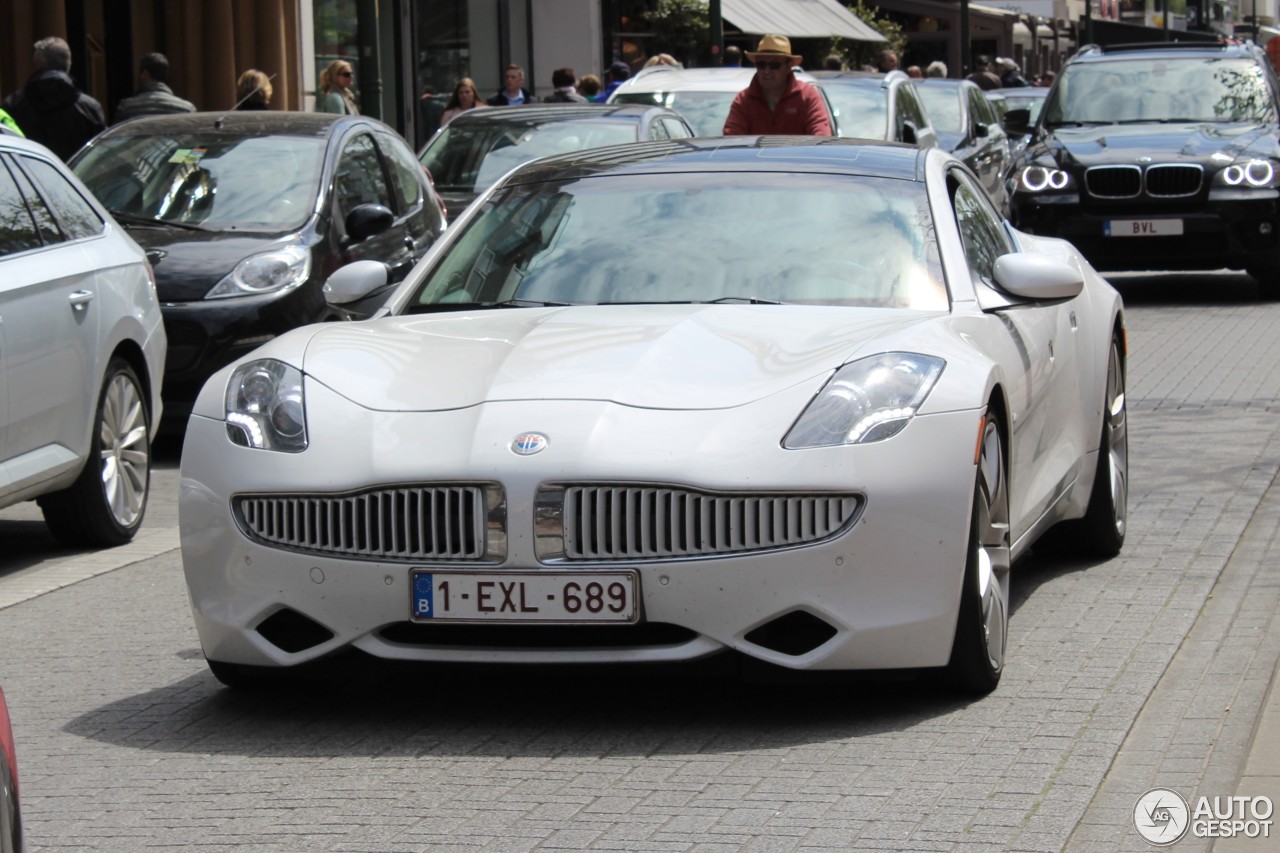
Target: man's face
[
  {"x": 890, "y": 60},
  {"x": 515, "y": 79},
  {"x": 773, "y": 72}
]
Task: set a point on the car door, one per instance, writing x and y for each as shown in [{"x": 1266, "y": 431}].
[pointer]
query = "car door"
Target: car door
[
  {"x": 361, "y": 177},
  {"x": 1043, "y": 336},
  {"x": 50, "y": 320}
]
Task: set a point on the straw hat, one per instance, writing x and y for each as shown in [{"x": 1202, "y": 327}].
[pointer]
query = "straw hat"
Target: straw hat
[{"x": 773, "y": 46}]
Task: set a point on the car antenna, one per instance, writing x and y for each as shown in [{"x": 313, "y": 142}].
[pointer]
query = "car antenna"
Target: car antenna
[{"x": 255, "y": 91}]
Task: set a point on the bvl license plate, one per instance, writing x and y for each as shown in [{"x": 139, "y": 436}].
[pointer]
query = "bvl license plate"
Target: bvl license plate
[
  {"x": 1143, "y": 227},
  {"x": 559, "y": 597}
]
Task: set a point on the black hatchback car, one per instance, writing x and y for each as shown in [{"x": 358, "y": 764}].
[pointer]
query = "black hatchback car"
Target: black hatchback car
[
  {"x": 1159, "y": 156},
  {"x": 245, "y": 214}
]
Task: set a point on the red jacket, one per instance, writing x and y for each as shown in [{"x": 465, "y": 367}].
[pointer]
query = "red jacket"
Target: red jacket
[{"x": 800, "y": 110}]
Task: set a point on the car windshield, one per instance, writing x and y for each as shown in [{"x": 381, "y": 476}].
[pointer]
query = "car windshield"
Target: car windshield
[
  {"x": 1024, "y": 102},
  {"x": 780, "y": 237},
  {"x": 942, "y": 103},
  {"x": 259, "y": 183},
  {"x": 705, "y": 111},
  {"x": 471, "y": 157},
  {"x": 1137, "y": 90},
  {"x": 861, "y": 111}
]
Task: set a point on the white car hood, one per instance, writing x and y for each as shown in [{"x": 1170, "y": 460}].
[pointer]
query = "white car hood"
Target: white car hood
[{"x": 650, "y": 356}]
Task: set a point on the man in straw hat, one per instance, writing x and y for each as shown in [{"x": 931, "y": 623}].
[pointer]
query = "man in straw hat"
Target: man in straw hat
[{"x": 775, "y": 101}]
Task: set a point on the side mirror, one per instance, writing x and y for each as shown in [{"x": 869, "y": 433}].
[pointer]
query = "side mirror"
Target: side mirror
[
  {"x": 1037, "y": 277},
  {"x": 367, "y": 220},
  {"x": 1017, "y": 122},
  {"x": 980, "y": 130},
  {"x": 355, "y": 281},
  {"x": 909, "y": 133}
]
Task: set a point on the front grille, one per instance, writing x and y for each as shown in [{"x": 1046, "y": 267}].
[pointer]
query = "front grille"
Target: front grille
[
  {"x": 1172, "y": 181},
  {"x": 456, "y": 522},
  {"x": 645, "y": 522},
  {"x": 1113, "y": 181}
]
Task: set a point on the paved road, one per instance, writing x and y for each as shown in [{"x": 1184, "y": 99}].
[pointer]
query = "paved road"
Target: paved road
[{"x": 1149, "y": 669}]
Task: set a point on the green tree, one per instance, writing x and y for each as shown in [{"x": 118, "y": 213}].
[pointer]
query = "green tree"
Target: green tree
[
  {"x": 680, "y": 27},
  {"x": 859, "y": 53}
]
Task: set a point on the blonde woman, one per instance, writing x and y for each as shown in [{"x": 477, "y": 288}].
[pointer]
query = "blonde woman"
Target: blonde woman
[
  {"x": 253, "y": 91},
  {"x": 334, "y": 94},
  {"x": 463, "y": 98}
]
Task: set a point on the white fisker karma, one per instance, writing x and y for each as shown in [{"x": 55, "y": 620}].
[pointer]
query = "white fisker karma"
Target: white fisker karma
[{"x": 805, "y": 400}]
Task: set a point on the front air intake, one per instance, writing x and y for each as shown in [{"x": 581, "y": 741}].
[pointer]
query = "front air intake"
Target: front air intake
[
  {"x": 290, "y": 631},
  {"x": 797, "y": 633}
]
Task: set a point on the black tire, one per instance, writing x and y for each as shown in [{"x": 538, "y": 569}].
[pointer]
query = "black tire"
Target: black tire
[
  {"x": 1268, "y": 281},
  {"x": 106, "y": 503},
  {"x": 982, "y": 628}
]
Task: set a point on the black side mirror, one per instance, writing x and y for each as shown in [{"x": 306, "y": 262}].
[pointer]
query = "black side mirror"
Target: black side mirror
[
  {"x": 1017, "y": 122},
  {"x": 980, "y": 131},
  {"x": 367, "y": 220}
]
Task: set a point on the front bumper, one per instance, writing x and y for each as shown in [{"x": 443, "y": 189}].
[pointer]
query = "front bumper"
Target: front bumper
[
  {"x": 1234, "y": 229},
  {"x": 887, "y": 588}
]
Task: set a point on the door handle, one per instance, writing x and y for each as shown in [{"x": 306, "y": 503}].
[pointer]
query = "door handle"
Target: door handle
[{"x": 80, "y": 299}]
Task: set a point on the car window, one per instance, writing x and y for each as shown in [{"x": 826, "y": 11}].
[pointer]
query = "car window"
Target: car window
[
  {"x": 1188, "y": 89},
  {"x": 360, "y": 179},
  {"x": 17, "y": 230},
  {"x": 909, "y": 108},
  {"x": 861, "y": 111},
  {"x": 215, "y": 180},
  {"x": 981, "y": 230},
  {"x": 47, "y": 227},
  {"x": 78, "y": 217},
  {"x": 705, "y": 111},
  {"x": 676, "y": 129},
  {"x": 658, "y": 130},
  {"x": 943, "y": 104},
  {"x": 980, "y": 110},
  {"x": 849, "y": 241},
  {"x": 406, "y": 173}
]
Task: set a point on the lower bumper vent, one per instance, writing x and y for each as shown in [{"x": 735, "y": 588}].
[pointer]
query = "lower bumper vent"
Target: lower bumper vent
[
  {"x": 794, "y": 634},
  {"x": 290, "y": 631}
]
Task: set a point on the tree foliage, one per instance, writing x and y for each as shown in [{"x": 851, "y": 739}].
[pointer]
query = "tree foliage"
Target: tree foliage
[
  {"x": 680, "y": 27},
  {"x": 856, "y": 54}
]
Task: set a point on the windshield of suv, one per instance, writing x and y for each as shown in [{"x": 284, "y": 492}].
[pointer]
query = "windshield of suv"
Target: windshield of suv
[
  {"x": 1193, "y": 89},
  {"x": 470, "y": 157},
  {"x": 627, "y": 239},
  {"x": 259, "y": 183},
  {"x": 705, "y": 111}
]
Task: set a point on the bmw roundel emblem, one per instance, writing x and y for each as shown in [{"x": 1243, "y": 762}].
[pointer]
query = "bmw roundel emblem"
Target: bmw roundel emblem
[{"x": 529, "y": 443}]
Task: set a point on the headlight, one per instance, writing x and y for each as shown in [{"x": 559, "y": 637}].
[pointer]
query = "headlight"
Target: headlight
[
  {"x": 280, "y": 269},
  {"x": 867, "y": 400},
  {"x": 266, "y": 408},
  {"x": 1256, "y": 172},
  {"x": 1038, "y": 179}
]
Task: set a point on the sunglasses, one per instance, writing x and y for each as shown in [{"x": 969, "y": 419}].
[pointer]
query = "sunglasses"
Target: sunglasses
[
  {"x": 344, "y": 73},
  {"x": 774, "y": 65}
]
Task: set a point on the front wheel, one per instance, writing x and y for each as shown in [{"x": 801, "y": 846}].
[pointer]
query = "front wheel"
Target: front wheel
[
  {"x": 105, "y": 505},
  {"x": 978, "y": 650},
  {"x": 1268, "y": 280}
]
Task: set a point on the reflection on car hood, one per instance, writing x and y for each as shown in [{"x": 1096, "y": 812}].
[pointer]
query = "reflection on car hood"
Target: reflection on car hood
[
  {"x": 649, "y": 356},
  {"x": 1178, "y": 142},
  {"x": 189, "y": 263}
]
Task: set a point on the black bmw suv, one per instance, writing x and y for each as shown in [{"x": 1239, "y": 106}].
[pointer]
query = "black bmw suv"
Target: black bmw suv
[{"x": 1159, "y": 156}]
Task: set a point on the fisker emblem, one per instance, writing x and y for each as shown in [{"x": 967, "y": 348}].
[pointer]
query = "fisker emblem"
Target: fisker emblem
[
  {"x": 529, "y": 443},
  {"x": 1144, "y": 159}
]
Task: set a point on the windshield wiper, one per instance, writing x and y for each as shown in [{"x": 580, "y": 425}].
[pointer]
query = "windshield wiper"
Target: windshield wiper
[
  {"x": 436, "y": 307},
  {"x": 1052, "y": 124},
  {"x": 134, "y": 219},
  {"x": 723, "y": 300}
]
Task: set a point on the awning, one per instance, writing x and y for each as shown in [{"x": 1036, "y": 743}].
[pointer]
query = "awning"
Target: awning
[{"x": 797, "y": 19}]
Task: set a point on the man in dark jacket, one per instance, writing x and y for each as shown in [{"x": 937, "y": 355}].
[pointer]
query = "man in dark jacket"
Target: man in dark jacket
[
  {"x": 49, "y": 108},
  {"x": 512, "y": 91},
  {"x": 565, "y": 81},
  {"x": 154, "y": 96}
]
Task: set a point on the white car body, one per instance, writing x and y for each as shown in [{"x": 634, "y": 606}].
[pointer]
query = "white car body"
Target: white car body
[
  {"x": 652, "y": 411},
  {"x": 69, "y": 306}
]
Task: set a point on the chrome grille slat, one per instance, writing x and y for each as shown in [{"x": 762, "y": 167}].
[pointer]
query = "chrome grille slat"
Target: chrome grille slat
[
  {"x": 407, "y": 523},
  {"x": 1173, "y": 180},
  {"x": 1113, "y": 181},
  {"x": 646, "y": 522}
]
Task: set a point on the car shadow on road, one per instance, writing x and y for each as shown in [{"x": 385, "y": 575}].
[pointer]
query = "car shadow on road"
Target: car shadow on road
[
  {"x": 1185, "y": 288},
  {"x": 367, "y": 707}
]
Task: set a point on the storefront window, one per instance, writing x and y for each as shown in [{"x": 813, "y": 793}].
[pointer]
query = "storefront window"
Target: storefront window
[{"x": 335, "y": 33}]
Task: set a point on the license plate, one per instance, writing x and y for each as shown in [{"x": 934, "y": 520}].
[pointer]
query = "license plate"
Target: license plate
[
  {"x": 559, "y": 597},
  {"x": 1143, "y": 227}
]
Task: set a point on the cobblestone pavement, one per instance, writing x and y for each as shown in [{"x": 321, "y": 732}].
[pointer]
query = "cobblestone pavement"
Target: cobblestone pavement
[{"x": 1149, "y": 669}]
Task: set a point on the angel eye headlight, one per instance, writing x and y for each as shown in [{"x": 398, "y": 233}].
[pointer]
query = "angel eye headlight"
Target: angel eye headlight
[
  {"x": 867, "y": 400},
  {"x": 266, "y": 407},
  {"x": 1251, "y": 173},
  {"x": 1038, "y": 179}
]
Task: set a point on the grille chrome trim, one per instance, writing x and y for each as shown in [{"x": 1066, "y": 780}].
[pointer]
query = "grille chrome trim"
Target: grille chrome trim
[
  {"x": 649, "y": 522},
  {"x": 440, "y": 522},
  {"x": 1173, "y": 180},
  {"x": 1113, "y": 181}
]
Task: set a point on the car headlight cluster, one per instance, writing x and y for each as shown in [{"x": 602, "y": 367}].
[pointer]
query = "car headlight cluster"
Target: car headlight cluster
[
  {"x": 280, "y": 269},
  {"x": 1257, "y": 172},
  {"x": 266, "y": 408},
  {"x": 1038, "y": 179},
  {"x": 867, "y": 400}
]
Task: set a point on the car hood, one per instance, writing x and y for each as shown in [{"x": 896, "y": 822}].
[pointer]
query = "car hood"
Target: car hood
[
  {"x": 659, "y": 356},
  {"x": 189, "y": 263},
  {"x": 1182, "y": 142}
]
